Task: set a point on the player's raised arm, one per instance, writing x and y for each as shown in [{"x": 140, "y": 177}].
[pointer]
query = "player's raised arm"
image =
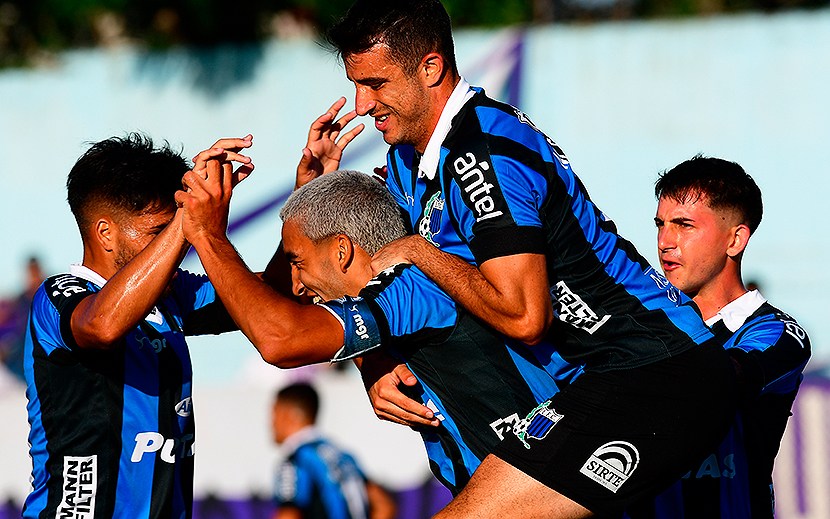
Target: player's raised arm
[{"x": 285, "y": 333}]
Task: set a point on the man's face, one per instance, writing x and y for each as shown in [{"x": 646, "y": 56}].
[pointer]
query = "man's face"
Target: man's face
[
  {"x": 281, "y": 417},
  {"x": 398, "y": 101},
  {"x": 692, "y": 241},
  {"x": 314, "y": 270},
  {"x": 135, "y": 232}
]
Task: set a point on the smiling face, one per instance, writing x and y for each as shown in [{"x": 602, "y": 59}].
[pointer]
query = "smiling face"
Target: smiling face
[
  {"x": 314, "y": 269},
  {"x": 694, "y": 242},
  {"x": 399, "y": 101}
]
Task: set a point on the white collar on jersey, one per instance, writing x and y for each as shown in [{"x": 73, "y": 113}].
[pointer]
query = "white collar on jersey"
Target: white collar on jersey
[
  {"x": 84, "y": 272},
  {"x": 462, "y": 93},
  {"x": 307, "y": 434},
  {"x": 735, "y": 313}
]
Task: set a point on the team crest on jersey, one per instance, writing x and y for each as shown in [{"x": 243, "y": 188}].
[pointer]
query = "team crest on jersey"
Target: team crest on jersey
[
  {"x": 612, "y": 464},
  {"x": 80, "y": 485},
  {"x": 430, "y": 224},
  {"x": 569, "y": 308},
  {"x": 538, "y": 423}
]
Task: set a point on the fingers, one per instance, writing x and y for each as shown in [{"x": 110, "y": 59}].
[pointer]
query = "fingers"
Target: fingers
[
  {"x": 324, "y": 120},
  {"x": 393, "y": 406},
  {"x": 406, "y": 376},
  {"x": 349, "y": 136},
  {"x": 225, "y": 149}
]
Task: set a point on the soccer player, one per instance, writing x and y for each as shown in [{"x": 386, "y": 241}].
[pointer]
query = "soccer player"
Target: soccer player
[
  {"x": 317, "y": 479},
  {"x": 107, "y": 369},
  {"x": 708, "y": 209},
  {"x": 507, "y": 230},
  {"x": 481, "y": 386}
]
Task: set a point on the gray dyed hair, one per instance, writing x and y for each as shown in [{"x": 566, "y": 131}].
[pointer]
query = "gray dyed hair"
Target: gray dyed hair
[{"x": 349, "y": 203}]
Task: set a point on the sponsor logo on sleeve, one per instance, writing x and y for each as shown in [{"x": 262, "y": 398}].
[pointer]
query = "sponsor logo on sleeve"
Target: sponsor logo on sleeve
[
  {"x": 569, "y": 308},
  {"x": 471, "y": 176},
  {"x": 80, "y": 483},
  {"x": 67, "y": 285},
  {"x": 612, "y": 464},
  {"x": 537, "y": 424}
]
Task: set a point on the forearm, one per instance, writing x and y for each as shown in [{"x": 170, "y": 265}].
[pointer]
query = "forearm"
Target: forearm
[
  {"x": 285, "y": 333},
  {"x": 511, "y": 294},
  {"x": 102, "y": 319}
]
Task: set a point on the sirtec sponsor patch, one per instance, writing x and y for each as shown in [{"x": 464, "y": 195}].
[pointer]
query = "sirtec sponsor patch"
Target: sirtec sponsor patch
[
  {"x": 80, "y": 481},
  {"x": 612, "y": 464}
]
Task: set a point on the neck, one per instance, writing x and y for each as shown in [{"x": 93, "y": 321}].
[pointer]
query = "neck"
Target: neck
[
  {"x": 99, "y": 261},
  {"x": 718, "y": 293},
  {"x": 439, "y": 94}
]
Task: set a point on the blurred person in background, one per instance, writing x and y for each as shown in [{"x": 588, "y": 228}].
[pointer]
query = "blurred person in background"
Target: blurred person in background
[
  {"x": 317, "y": 480},
  {"x": 13, "y": 316},
  {"x": 708, "y": 208}
]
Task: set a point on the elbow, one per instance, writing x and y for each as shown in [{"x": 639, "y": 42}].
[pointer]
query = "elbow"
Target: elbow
[
  {"x": 98, "y": 334},
  {"x": 531, "y": 329},
  {"x": 281, "y": 352}
]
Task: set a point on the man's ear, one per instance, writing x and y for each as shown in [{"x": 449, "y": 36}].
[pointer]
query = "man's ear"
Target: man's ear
[
  {"x": 103, "y": 233},
  {"x": 432, "y": 69},
  {"x": 739, "y": 240},
  {"x": 345, "y": 252}
]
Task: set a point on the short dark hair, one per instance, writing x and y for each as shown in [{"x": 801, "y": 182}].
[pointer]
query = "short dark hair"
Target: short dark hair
[
  {"x": 126, "y": 175},
  {"x": 411, "y": 29},
  {"x": 724, "y": 184},
  {"x": 303, "y": 397}
]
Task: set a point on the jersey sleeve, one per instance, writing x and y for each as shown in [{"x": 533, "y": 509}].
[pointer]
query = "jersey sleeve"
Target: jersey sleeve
[
  {"x": 52, "y": 308},
  {"x": 772, "y": 352},
  {"x": 398, "y": 308},
  {"x": 498, "y": 172},
  {"x": 201, "y": 309}
]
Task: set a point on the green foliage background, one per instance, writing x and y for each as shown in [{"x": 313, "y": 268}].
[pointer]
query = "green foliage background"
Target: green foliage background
[{"x": 30, "y": 30}]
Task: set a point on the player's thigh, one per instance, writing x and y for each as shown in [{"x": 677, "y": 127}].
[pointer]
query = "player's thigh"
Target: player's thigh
[{"x": 499, "y": 490}]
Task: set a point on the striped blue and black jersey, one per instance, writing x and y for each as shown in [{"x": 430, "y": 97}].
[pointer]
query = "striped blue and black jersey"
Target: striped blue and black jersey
[
  {"x": 322, "y": 481},
  {"x": 479, "y": 384},
  {"x": 112, "y": 430},
  {"x": 503, "y": 188},
  {"x": 736, "y": 481}
]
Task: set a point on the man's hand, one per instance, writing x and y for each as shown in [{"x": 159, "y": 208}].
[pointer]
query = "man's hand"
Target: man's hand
[
  {"x": 227, "y": 151},
  {"x": 323, "y": 150},
  {"x": 206, "y": 201},
  {"x": 402, "y": 250},
  {"x": 382, "y": 375}
]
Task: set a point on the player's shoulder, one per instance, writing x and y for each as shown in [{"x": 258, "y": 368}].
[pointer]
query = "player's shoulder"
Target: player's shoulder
[
  {"x": 58, "y": 289},
  {"x": 774, "y": 324},
  {"x": 403, "y": 281}
]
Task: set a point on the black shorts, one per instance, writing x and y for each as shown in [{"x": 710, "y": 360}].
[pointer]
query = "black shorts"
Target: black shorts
[{"x": 615, "y": 437}]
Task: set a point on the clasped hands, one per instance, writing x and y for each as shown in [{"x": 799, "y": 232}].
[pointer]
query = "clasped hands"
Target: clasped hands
[{"x": 206, "y": 189}]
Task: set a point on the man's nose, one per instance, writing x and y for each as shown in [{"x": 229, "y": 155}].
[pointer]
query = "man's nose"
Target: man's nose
[
  {"x": 363, "y": 100},
  {"x": 665, "y": 240}
]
